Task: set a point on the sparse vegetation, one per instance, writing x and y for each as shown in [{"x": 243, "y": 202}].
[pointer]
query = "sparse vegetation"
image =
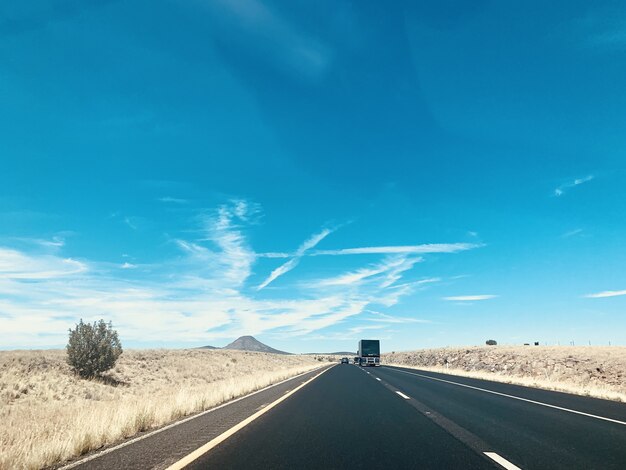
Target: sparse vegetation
[
  {"x": 93, "y": 349},
  {"x": 583, "y": 370},
  {"x": 48, "y": 414},
  {"x": 491, "y": 342}
]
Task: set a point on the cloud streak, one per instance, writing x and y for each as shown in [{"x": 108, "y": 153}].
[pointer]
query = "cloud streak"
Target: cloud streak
[
  {"x": 256, "y": 27},
  {"x": 606, "y": 293},
  {"x": 561, "y": 190},
  {"x": 407, "y": 249},
  {"x": 385, "y": 318},
  {"x": 392, "y": 268},
  {"x": 311, "y": 242},
  {"x": 173, "y": 200},
  {"x": 470, "y": 298},
  {"x": 17, "y": 265}
]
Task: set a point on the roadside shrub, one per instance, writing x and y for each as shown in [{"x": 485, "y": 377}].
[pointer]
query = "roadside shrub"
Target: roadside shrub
[
  {"x": 93, "y": 348},
  {"x": 491, "y": 342}
]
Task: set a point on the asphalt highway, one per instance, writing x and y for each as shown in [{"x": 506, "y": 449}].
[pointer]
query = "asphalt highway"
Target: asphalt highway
[
  {"x": 386, "y": 417},
  {"x": 349, "y": 417},
  {"x": 344, "y": 419}
]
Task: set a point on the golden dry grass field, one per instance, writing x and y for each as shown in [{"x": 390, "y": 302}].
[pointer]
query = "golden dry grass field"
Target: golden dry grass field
[
  {"x": 48, "y": 415},
  {"x": 584, "y": 370}
]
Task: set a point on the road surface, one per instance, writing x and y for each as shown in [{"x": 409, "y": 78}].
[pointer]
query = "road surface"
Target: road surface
[{"x": 387, "y": 417}]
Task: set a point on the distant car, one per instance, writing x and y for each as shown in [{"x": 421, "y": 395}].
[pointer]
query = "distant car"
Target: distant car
[{"x": 344, "y": 360}]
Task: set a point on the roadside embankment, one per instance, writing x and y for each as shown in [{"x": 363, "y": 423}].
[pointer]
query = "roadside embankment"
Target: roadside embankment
[
  {"x": 583, "y": 370},
  {"x": 49, "y": 415}
]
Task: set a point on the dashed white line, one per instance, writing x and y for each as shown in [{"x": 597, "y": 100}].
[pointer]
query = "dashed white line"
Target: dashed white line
[
  {"x": 502, "y": 461},
  {"x": 515, "y": 398},
  {"x": 403, "y": 395},
  {"x": 377, "y": 379}
]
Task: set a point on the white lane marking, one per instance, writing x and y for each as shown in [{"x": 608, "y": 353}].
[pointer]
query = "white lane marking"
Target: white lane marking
[
  {"x": 182, "y": 421},
  {"x": 502, "y": 461},
  {"x": 402, "y": 395},
  {"x": 516, "y": 398},
  {"x": 377, "y": 379},
  {"x": 182, "y": 463}
]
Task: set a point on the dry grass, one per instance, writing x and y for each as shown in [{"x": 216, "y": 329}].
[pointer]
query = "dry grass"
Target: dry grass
[
  {"x": 591, "y": 371},
  {"x": 48, "y": 415}
]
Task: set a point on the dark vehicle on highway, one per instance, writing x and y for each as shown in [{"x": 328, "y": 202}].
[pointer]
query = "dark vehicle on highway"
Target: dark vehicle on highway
[
  {"x": 356, "y": 360},
  {"x": 369, "y": 352},
  {"x": 344, "y": 360}
]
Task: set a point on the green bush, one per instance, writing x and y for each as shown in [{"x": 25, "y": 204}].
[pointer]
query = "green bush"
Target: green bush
[
  {"x": 491, "y": 342},
  {"x": 93, "y": 348}
]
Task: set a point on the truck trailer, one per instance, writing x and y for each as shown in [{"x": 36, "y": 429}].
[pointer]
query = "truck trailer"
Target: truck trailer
[{"x": 369, "y": 352}]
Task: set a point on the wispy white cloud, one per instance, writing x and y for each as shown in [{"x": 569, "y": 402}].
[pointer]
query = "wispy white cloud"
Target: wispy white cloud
[
  {"x": 355, "y": 330},
  {"x": 311, "y": 242},
  {"x": 130, "y": 221},
  {"x": 408, "y": 249},
  {"x": 470, "y": 298},
  {"x": 201, "y": 294},
  {"x": 606, "y": 293},
  {"x": 570, "y": 184},
  {"x": 572, "y": 233},
  {"x": 397, "y": 266},
  {"x": 17, "y": 265},
  {"x": 262, "y": 30},
  {"x": 54, "y": 243},
  {"x": 173, "y": 200},
  {"x": 392, "y": 267},
  {"x": 274, "y": 254},
  {"x": 385, "y": 318}
]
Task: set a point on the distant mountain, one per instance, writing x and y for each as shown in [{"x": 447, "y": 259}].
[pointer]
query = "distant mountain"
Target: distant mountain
[
  {"x": 207, "y": 347},
  {"x": 249, "y": 343}
]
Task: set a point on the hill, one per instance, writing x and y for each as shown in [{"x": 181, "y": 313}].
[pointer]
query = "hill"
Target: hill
[{"x": 249, "y": 343}]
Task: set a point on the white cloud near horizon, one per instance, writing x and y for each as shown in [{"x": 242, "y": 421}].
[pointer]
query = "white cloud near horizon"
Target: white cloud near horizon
[
  {"x": 577, "y": 182},
  {"x": 470, "y": 298},
  {"x": 201, "y": 295},
  {"x": 606, "y": 293}
]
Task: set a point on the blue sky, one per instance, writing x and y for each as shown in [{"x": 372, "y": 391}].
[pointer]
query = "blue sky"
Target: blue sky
[{"x": 313, "y": 173}]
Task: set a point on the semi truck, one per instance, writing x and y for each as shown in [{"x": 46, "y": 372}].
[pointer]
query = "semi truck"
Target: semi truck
[{"x": 369, "y": 352}]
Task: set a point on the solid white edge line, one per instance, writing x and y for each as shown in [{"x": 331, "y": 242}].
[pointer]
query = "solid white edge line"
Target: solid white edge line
[
  {"x": 502, "y": 461},
  {"x": 517, "y": 398},
  {"x": 403, "y": 395},
  {"x": 196, "y": 454},
  {"x": 176, "y": 423}
]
